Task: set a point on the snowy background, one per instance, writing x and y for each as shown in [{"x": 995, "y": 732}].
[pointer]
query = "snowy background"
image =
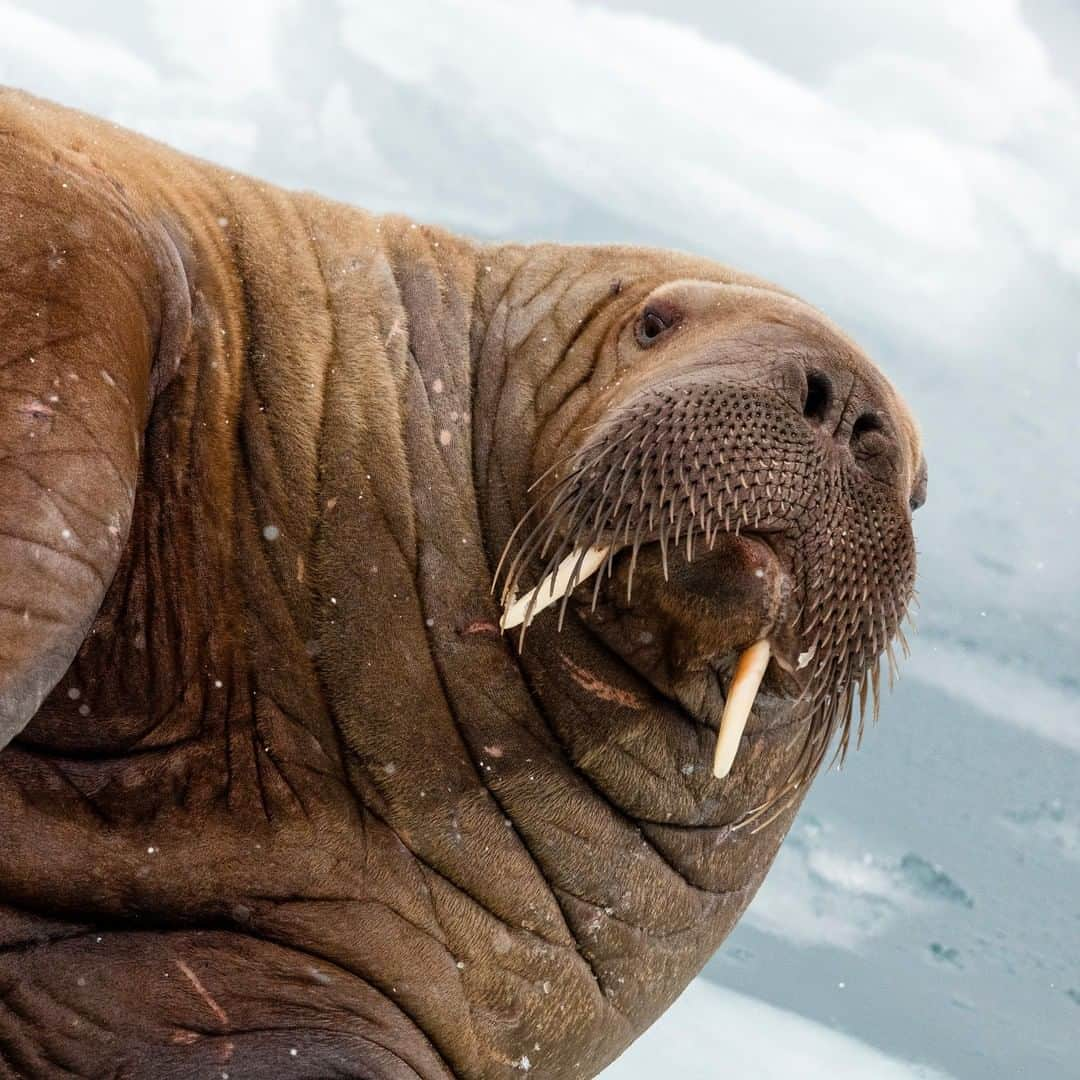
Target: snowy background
[{"x": 913, "y": 169}]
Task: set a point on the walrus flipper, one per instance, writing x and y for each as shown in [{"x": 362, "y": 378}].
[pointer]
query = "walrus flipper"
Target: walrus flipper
[
  {"x": 81, "y": 321},
  {"x": 171, "y": 1005}
]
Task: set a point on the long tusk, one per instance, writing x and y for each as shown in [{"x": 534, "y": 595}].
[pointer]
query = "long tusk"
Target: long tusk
[
  {"x": 749, "y": 671},
  {"x": 568, "y": 573}
]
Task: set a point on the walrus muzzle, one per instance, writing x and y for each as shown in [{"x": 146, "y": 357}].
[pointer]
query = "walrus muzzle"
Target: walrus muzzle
[{"x": 744, "y": 442}]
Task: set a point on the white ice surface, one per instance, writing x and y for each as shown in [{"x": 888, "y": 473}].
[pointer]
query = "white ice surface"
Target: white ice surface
[{"x": 714, "y": 1032}]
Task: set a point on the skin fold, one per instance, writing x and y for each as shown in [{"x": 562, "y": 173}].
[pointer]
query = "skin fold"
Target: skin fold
[{"x": 278, "y": 797}]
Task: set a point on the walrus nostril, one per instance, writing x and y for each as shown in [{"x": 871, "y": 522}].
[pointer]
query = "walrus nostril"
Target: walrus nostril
[
  {"x": 866, "y": 423},
  {"x": 819, "y": 393}
]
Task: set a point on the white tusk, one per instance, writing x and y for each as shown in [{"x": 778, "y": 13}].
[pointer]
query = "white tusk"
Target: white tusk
[
  {"x": 749, "y": 671},
  {"x": 555, "y": 585}
]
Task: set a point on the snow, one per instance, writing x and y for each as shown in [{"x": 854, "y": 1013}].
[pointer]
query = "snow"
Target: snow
[
  {"x": 1004, "y": 691},
  {"x": 712, "y": 1031}
]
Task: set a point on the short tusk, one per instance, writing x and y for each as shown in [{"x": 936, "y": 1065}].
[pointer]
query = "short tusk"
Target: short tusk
[
  {"x": 566, "y": 575},
  {"x": 749, "y": 671}
]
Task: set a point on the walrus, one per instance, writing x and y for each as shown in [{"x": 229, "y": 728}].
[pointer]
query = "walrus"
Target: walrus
[{"x": 413, "y": 650}]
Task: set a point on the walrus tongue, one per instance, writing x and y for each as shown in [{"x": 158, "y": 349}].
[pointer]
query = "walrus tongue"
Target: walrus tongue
[{"x": 749, "y": 671}]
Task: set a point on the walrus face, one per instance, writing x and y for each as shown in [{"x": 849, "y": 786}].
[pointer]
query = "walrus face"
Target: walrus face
[{"x": 739, "y": 489}]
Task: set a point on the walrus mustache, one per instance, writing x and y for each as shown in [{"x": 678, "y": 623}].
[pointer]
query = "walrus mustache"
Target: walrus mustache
[{"x": 685, "y": 465}]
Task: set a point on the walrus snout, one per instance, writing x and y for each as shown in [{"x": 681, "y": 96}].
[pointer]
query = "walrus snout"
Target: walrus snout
[{"x": 734, "y": 416}]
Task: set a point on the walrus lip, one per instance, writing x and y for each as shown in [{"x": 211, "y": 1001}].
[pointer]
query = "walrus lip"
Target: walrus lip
[{"x": 750, "y": 666}]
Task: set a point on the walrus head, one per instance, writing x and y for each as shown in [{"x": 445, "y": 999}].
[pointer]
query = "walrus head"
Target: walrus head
[{"x": 726, "y": 503}]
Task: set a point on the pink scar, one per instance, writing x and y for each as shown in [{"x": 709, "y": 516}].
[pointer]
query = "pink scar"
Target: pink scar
[{"x": 593, "y": 684}]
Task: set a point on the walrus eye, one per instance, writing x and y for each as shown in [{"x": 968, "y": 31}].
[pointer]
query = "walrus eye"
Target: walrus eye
[{"x": 650, "y": 326}]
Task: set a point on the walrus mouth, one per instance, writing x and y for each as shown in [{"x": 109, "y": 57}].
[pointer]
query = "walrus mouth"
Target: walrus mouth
[
  {"x": 691, "y": 464},
  {"x": 750, "y": 665}
]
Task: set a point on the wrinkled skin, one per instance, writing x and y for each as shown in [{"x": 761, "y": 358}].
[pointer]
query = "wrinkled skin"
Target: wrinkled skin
[{"x": 278, "y": 798}]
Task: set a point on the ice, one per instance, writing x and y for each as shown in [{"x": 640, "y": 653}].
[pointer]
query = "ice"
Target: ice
[
  {"x": 815, "y": 895},
  {"x": 1004, "y": 689},
  {"x": 1049, "y": 822},
  {"x": 712, "y": 1031},
  {"x": 931, "y": 881},
  {"x": 822, "y": 891}
]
